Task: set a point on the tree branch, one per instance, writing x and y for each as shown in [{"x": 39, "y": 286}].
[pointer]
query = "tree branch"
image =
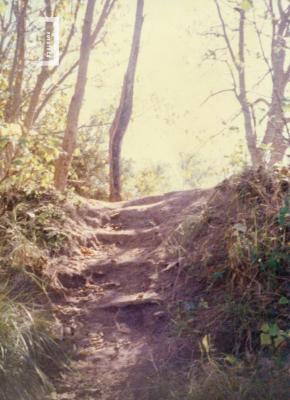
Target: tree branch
[
  {"x": 107, "y": 8},
  {"x": 261, "y": 100},
  {"x": 226, "y": 37},
  {"x": 215, "y": 94}
]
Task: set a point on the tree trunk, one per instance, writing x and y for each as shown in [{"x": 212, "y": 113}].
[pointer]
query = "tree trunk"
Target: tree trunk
[
  {"x": 276, "y": 120},
  {"x": 250, "y": 132},
  {"x": 44, "y": 73},
  {"x": 12, "y": 108},
  {"x": 34, "y": 99},
  {"x": 280, "y": 75},
  {"x": 70, "y": 135},
  {"x": 274, "y": 132},
  {"x": 124, "y": 111}
]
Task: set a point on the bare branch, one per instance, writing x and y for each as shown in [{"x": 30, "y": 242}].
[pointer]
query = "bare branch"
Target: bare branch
[
  {"x": 70, "y": 35},
  {"x": 234, "y": 80},
  {"x": 258, "y": 32},
  {"x": 215, "y": 94},
  {"x": 226, "y": 37},
  {"x": 108, "y": 6},
  {"x": 51, "y": 92},
  {"x": 261, "y": 100}
]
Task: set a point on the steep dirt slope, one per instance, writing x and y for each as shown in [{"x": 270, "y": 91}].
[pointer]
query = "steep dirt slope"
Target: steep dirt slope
[{"x": 113, "y": 309}]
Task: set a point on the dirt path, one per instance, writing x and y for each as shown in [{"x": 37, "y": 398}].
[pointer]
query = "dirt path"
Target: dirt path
[{"x": 114, "y": 310}]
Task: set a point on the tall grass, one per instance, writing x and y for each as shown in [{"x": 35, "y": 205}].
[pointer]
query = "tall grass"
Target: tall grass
[{"x": 28, "y": 354}]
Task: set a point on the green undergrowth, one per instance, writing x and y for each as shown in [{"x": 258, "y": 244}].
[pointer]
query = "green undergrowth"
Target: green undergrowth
[
  {"x": 31, "y": 231},
  {"x": 31, "y": 223},
  {"x": 233, "y": 298}
]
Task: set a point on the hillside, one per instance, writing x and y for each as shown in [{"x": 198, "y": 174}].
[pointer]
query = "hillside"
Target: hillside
[{"x": 181, "y": 295}]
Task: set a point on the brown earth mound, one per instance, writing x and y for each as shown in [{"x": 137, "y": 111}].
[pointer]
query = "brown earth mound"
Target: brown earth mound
[{"x": 235, "y": 263}]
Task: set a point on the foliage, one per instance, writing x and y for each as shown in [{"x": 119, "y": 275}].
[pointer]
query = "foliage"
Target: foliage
[
  {"x": 148, "y": 180},
  {"x": 31, "y": 228},
  {"x": 26, "y": 160},
  {"x": 192, "y": 169},
  {"x": 89, "y": 175},
  {"x": 90, "y": 168}
]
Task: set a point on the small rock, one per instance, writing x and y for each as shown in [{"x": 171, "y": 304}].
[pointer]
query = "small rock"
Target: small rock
[
  {"x": 159, "y": 314},
  {"x": 121, "y": 300},
  {"x": 110, "y": 285}
]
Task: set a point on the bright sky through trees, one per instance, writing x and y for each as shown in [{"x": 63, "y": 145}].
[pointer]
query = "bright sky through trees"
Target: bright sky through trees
[{"x": 172, "y": 82}]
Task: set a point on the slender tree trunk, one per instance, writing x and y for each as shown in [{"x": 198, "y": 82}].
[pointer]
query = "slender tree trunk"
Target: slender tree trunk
[
  {"x": 124, "y": 111},
  {"x": 34, "y": 99},
  {"x": 70, "y": 135},
  {"x": 12, "y": 108},
  {"x": 276, "y": 120},
  {"x": 106, "y": 10},
  {"x": 251, "y": 137},
  {"x": 43, "y": 75},
  {"x": 274, "y": 131}
]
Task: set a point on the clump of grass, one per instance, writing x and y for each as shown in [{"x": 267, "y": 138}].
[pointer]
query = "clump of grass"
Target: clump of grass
[{"x": 28, "y": 353}]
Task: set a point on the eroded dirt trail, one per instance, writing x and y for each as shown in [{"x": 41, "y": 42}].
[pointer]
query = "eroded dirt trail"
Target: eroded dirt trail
[{"x": 114, "y": 311}]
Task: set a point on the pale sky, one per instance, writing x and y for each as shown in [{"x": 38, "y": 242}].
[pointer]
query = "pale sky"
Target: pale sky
[{"x": 171, "y": 84}]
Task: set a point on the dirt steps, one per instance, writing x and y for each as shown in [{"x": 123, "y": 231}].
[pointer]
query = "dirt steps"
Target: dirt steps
[
  {"x": 112, "y": 311},
  {"x": 128, "y": 237}
]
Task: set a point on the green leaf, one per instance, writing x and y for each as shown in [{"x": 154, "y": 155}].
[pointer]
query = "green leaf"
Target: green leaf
[
  {"x": 246, "y": 5},
  {"x": 282, "y": 215},
  {"x": 265, "y": 339},
  {"x": 18, "y": 161},
  {"x": 231, "y": 359},
  {"x": 274, "y": 330},
  {"x": 2, "y": 7},
  {"x": 283, "y": 301},
  {"x": 265, "y": 328},
  {"x": 286, "y": 107},
  {"x": 218, "y": 275}
]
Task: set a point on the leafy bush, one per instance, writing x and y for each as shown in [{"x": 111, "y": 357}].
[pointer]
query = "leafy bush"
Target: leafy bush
[
  {"x": 26, "y": 160},
  {"x": 31, "y": 227}
]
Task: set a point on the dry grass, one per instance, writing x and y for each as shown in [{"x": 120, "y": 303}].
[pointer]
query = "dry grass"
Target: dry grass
[
  {"x": 28, "y": 353},
  {"x": 214, "y": 381}
]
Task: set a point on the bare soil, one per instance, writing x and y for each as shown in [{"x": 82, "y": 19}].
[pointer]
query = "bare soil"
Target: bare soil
[{"x": 112, "y": 306}]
